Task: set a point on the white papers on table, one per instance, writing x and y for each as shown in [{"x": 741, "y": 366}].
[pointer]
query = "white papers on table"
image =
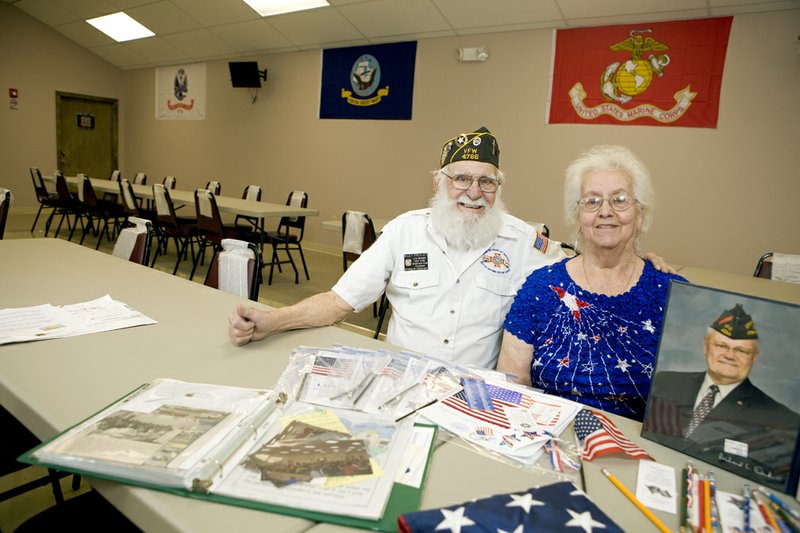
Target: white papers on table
[
  {"x": 655, "y": 486},
  {"x": 521, "y": 422},
  {"x": 415, "y": 457},
  {"x": 48, "y": 321}
]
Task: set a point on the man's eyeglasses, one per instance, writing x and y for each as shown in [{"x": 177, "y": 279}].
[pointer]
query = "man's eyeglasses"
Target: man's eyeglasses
[
  {"x": 462, "y": 182},
  {"x": 618, "y": 202},
  {"x": 737, "y": 350}
]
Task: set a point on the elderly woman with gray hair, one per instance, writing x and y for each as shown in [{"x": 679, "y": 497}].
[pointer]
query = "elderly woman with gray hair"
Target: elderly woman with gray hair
[{"x": 587, "y": 328}]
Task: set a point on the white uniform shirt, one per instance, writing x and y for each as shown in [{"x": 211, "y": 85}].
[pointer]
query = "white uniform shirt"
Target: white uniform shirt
[{"x": 439, "y": 308}]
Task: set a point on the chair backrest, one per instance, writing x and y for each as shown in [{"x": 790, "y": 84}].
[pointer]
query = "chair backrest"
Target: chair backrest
[
  {"x": 38, "y": 184},
  {"x": 165, "y": 209},
  {"x": 5, "y": 204},
  {"x": 215, "y": 187},
  {"x": 115, "y": 175},
  {"x": 778, "y": 266},
  {"x": 86, "y": 194},
  {"x": 358, "y": 234},
  {"x": 252, "y": 193},
  {"x": 170, "y": 182},
  {"x": 209, "y": 221},
  {"x": 140, "y": 178},
  {"x": 133, "y": 243},
  {"x": 61, "y": 187},
  {"x": 295, "y": 199},
  {"x": 129, "y": 205},
  {"x": 235, "y": 268}
]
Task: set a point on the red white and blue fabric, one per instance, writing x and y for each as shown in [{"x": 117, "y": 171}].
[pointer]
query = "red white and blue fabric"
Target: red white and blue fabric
[{"x": 560, "y": 507}]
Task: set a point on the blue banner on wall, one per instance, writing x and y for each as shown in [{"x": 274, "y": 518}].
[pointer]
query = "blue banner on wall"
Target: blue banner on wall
[{"x": 368, "y": 82}]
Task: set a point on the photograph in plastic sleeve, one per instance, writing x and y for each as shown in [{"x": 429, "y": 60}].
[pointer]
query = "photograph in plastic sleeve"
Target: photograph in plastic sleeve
[{"x": 334, "y": 477}]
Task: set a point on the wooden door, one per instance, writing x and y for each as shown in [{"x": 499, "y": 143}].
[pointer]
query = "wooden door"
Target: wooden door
[{"x": 86, "y": 135}]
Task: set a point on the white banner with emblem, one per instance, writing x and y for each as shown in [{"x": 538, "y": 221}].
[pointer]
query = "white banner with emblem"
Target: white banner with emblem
[{"x": 181, "y": 92}]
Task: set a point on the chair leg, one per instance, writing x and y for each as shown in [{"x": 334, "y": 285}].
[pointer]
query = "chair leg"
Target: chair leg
[
  {"x": 36, "y": 219},
  {"x": 181, "y": 254},
  {"x": 303, "y": 259},
  {"x": 201, "y": 253},
  {"x": 291, "y": 261},
  {"x": 49, "y": 221},
  {"x": 273, "y": 262},
  {"x": 381, "y": 314}
]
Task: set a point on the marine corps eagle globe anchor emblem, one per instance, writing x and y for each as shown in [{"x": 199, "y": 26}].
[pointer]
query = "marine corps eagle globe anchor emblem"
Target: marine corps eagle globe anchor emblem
[{"x": 621, "y": 81}]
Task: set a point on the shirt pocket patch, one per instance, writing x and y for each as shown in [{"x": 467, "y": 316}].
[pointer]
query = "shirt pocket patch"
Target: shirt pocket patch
[
  {"x": 416, "y": 279},
  {"x": 497, "y": 285}
]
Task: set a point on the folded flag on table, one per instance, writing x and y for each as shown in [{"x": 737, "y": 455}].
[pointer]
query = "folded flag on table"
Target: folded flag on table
[
  {"x": 598, "y": 435},
  {"x": 551, "y": 508}
]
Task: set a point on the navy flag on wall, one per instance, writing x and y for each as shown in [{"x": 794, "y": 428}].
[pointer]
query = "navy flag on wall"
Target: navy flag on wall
[{"x": 368, "y": 82}]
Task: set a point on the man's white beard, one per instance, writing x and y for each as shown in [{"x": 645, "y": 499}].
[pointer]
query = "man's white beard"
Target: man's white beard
[{"x": 466, "y": 231}]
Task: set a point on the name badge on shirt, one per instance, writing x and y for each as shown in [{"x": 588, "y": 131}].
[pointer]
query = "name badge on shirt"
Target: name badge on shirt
[{"x": 415, "y": 261}]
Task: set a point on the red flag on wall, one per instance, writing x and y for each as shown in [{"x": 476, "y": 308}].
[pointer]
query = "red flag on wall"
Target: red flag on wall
[{"x": 654, "y": 74}]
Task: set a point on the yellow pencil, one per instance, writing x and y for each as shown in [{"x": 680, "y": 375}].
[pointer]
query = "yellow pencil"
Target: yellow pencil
[
  {"x": 706, "y": 507},
  {"x": 653, "y": 518}
]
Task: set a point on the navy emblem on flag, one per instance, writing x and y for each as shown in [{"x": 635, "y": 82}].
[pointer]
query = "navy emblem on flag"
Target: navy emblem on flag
[{"x": 368, "y": 82}]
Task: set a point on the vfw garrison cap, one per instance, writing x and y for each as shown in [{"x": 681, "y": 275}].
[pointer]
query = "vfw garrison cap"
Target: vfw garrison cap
[
  {"x": 736, "y": 324},
  {"x": 480, "y": 145}
]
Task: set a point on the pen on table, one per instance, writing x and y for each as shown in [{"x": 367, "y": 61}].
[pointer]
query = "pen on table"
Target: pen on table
[
  {"x": 397, "y": 396},
  {"x": 765, "y": 512},
  {"x": 417, "y": 409},
  {"x": 746, "y": 509},
  {"x": 691, "y": 475},
  {"x": 781, "y": 517},
  {"x": 684, "y": 501},
  {"x": 793, "y": 513},
  {"x": 647, "y": 512},
  {"x": 712, "y": 493}
]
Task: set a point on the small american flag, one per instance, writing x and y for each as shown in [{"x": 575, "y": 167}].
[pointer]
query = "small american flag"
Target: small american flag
[
  {"x": 484, "y": 431},
  {"x": 598, "y": 435},
  {"x": 330, "y": 366},
  {"x": 501, "y": 398}
]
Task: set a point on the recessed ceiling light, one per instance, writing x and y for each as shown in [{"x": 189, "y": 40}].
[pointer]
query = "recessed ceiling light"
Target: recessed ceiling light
[
  {"x": 120, "y": 27},
  {"x": 266, "y": 8}
]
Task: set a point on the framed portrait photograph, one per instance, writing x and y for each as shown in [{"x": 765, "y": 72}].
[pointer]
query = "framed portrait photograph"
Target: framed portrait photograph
[{"x": 725, "y": 384}]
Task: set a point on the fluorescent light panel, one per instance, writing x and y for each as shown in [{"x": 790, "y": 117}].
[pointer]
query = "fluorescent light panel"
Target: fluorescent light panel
[
  {"x": 120, "y": 27},
  {"x": 267, "y": 8}
]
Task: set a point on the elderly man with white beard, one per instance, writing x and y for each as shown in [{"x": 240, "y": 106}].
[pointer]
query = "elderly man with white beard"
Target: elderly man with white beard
[{"x": 449, "y": 271}]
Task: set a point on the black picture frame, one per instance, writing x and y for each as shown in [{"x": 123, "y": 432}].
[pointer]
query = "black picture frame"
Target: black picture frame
[{"x": 754, "y": 430}]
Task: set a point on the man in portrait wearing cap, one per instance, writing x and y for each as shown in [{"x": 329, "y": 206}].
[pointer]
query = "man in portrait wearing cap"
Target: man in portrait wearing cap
[
  {"x": 450, "y": 271},
  {"x": 719, "y": 415}
]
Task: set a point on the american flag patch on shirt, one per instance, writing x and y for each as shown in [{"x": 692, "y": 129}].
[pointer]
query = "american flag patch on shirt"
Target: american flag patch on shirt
[{"x": 541, "y": 243}]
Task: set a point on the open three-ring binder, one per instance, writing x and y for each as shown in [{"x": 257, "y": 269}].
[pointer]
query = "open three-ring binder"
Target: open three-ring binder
[{"x": 251, "y": 448}]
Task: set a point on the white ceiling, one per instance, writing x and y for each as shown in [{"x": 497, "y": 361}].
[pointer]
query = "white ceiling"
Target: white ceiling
[{"x": 202, "y": 30}]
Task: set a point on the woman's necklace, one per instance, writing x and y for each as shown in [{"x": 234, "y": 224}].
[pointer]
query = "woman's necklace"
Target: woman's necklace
[{"x": 621, "y": 291}]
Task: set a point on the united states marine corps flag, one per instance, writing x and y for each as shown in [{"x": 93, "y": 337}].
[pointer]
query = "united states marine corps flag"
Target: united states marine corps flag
[
  {"x": 653, "y": 74},
  {"x": 368, "y": 82},
  {"x": 181, "y": 92}
]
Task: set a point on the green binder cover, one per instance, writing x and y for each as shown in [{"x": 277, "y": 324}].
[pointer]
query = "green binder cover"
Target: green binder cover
[{"x": 403, "y": 498}]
